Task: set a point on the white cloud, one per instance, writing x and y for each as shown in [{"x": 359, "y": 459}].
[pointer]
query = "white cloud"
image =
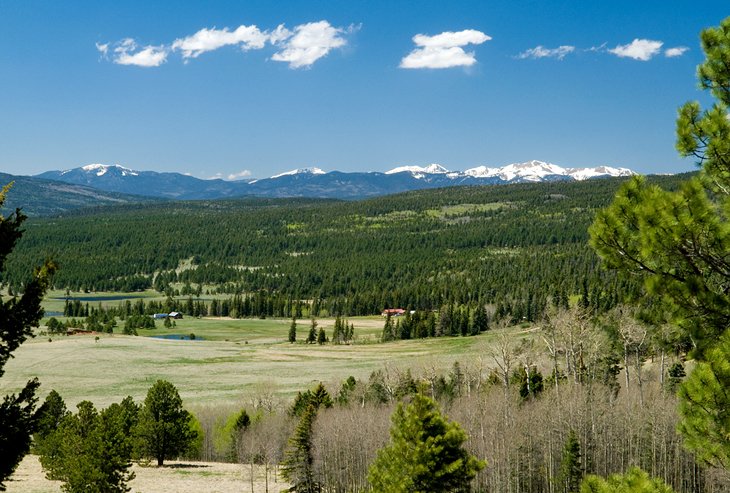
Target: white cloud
[
  {"x": 450, "y": 39},
  {"x": 300, "y": 47},
  {"x": 638, "y": 49},
  {"x": 126, "y": 53},
  {"x": 103, "y": 48},
  {"x": 541, "y": 52},
  {"x": 676, "y": 51},
  {"x": 444, "y": 50},
  {"x": 279, "y": 34},
  {"x": 308, "y": 43},
  {"x": 248, "y": 37},
  {"x": 231, "y": 177},
  {"x": 241, "y": 174}
]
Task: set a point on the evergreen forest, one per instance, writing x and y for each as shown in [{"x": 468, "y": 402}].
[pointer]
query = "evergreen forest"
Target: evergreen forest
[{"x": 516, "y": 248}]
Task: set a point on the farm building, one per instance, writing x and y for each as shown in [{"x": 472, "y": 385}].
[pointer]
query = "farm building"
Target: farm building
[{"x": 393, "y": 312}]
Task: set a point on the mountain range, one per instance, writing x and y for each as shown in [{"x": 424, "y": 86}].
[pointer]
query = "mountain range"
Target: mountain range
[
  {"x": 40, "y": 197},
  {"x": 314, "y": 182}
]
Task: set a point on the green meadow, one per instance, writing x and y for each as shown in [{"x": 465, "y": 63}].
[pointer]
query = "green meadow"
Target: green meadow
[{"x": 229, "y": 362}]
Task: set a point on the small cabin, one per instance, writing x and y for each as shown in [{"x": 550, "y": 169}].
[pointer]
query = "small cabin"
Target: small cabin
[
  {"x": 393, "y": 312},
  {"x": 175, "y": 315}
]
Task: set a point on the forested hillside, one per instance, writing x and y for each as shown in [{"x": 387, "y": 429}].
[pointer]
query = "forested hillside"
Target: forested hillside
[
  {"x": 513, "y": 246},
  {"x": 39, "y": 197}
]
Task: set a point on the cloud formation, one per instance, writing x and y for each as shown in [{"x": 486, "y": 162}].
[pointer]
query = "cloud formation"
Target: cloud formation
[
  {"x": 676, "y": 51},
  {"x": 444, "y": 50},
  {"x": 247, "y": 37},
  {"x": 103, "y": 48},
  {"x": 126, "y": 52},
  {"x": 237, "y": 176},
  {"x": 541, "y": 52},
  {"x": 639, "y": 49},
  {"x": 300, "y": 47},
  {"x": 308, "y": 43},
  {"x": 231, "y": 177}
]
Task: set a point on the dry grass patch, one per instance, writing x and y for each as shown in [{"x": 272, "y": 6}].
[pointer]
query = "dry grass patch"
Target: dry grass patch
[{"x": 174, "y": 477}]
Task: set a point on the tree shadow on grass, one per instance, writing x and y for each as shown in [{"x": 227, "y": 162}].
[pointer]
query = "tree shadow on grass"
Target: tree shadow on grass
[{"x": 185, "y": 466}]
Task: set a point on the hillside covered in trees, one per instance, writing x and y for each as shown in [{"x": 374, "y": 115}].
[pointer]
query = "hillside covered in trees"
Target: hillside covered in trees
[{"x": 515, "y": 247}]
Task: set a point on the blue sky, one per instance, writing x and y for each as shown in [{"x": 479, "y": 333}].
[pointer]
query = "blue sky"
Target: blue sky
[{"x": 254, "y": 88}]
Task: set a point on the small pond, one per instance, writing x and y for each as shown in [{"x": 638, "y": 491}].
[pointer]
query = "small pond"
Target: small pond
[
  {"x": 114, "y": 297},
  {"x": 178, "y": 337}
]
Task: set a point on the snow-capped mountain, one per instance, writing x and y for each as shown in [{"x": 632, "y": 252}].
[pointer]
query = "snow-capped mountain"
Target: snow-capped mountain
[
  {"x": 530, "y": 171},
  {"x": 599, "y": 172},
  {"x": 431, "y": 169},
  {"x": 314, "y": 182},
  {"x": 102, "y": 169},
  {"x": 116, "y": 178},
  {"x": 300, "y": 171}
]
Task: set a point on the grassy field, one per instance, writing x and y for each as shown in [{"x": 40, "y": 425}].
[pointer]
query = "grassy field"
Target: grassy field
[{"x": 229, "y": 361}]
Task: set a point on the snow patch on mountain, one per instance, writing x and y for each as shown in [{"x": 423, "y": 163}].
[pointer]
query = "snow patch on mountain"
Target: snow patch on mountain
[
  {"x": 102, "y": 169},
  {"x": 530, "y": 171},
  {"x": 481, "y": 172},
  {"x": 581, "y": 174},
  {"x": 431, "y": 169},
  {"x": 300, "y": 171}
]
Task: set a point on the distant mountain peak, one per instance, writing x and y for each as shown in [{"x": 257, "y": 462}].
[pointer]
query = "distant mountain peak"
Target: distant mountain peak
[
  {"x": 102, "y": 169},
  {"x": 301, "y": 171},
  {"x": 431, "y": 169}
]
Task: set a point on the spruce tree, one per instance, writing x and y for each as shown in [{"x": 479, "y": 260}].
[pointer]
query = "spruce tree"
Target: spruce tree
[
  {"x": 425, "y": 454},
  {"x": 297, "y": 467},
  {"x": 481, "y": 320},
  {"x": 312, "y": 336},
  {"x": 337, "y": 331},
  {"x": 293, "y": 330},
  {"x": 321, "y": 336},
  {"x": 571, "y": 472},
  {"x": 388, "y": 330},
  {"x": 18, "y": 316}
]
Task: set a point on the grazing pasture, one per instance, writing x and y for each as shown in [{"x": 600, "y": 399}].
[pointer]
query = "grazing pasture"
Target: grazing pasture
[{"x": 235, "y": 359}]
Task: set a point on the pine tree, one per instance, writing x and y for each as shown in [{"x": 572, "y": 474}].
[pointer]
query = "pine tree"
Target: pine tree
[
  {"x": 425, "y": 454},
  {"x": 50, "y": 415},
  {"x": 92, "y": 451},
  {"x": 322, "y": 336},
  {"x": 705, "y": 406},
  {"x": 17, "y": 318},
  {"x": 164, "y": 425},
  {"x": 293, "y": 330},
  {"x": 678, "y": 241}
]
